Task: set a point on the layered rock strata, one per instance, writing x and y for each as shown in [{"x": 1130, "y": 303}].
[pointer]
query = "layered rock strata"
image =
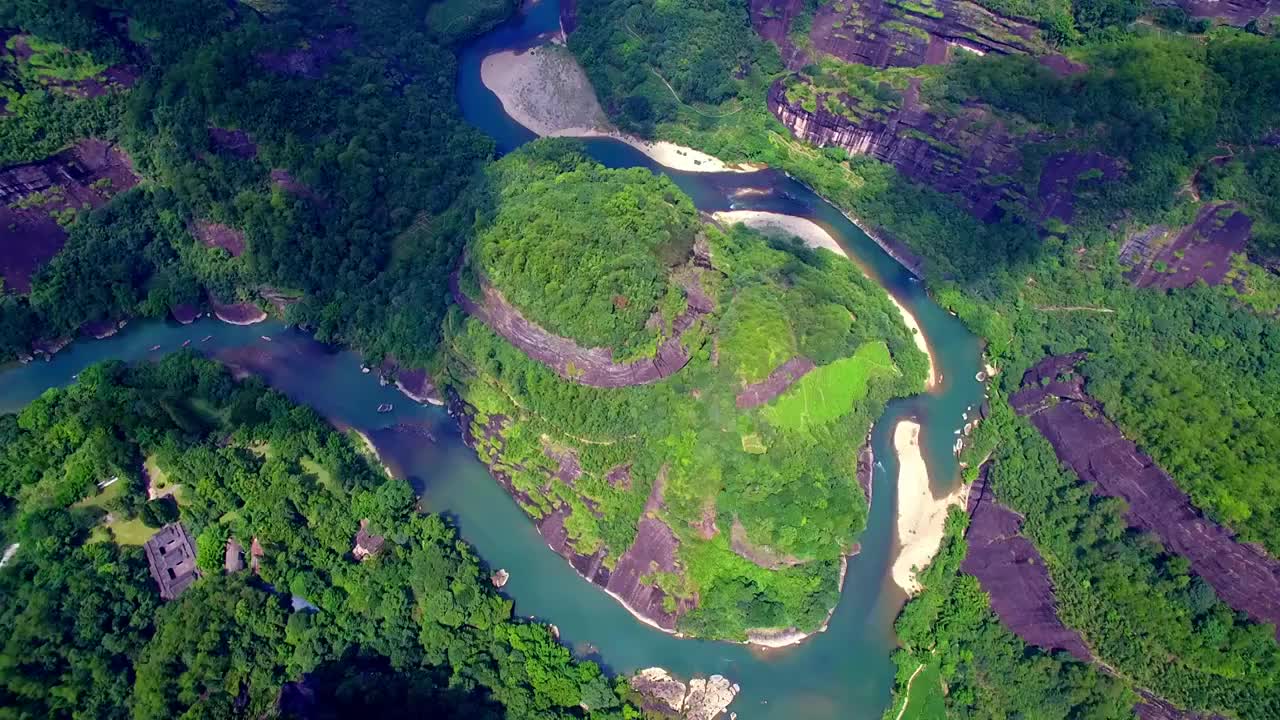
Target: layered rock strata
[{"x": 1054, "y": 399}]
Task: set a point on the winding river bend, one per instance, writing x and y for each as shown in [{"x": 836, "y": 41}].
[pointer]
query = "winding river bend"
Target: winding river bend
[{"x": 842, "y": 673}]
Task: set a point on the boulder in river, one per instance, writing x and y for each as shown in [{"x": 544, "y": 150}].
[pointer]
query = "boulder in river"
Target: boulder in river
[{"x": 700, "y": 699}]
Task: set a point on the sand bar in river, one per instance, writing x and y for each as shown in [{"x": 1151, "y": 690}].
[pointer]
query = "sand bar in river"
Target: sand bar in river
[
  {"x": 921, "y": 516},
  {"x": 545, "y": 90}
]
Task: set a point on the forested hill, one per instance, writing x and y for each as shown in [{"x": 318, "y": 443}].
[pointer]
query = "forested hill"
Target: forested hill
[
  {"x": 86, "y": 636},
  {"x": 682, "y": 419},
  {"x": 264, "y": 174},
  {"x": 1083, "y": 176}
]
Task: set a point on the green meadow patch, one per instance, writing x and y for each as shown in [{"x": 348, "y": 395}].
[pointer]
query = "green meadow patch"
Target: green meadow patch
[{"x": 829, "y": 392}]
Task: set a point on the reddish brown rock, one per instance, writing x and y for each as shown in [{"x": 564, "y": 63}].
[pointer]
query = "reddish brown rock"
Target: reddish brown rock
[
  {"x": 1201, "y": 251},
  {"x": 217, "y": 235},
  {"x": 595, "y": 366},
  {"x": 184, "y": 314},
  {"x": 1231, "y": 12},
  {"x": 1053, "y": 397},
  {"x": 972, "y": 153},
  {"x": 33, "y": 195},
  {"x": 1011, "y": 571},
  {"x": 882, "y": 33},
  {"x": 654, "y": 548},
  {"x": 782, "y": 377}
]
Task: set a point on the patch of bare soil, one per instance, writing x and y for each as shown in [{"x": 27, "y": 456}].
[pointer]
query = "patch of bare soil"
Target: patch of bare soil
[
  {"x": 1201, "y": 251},
  {"x": 217, "y": 235},
  {"x": 765, "y": 557},
  {"x": 593, "y": 367},
  {"x": 313, "y": 57},
  {"x": 285, "y": 181},
  {"x": 1243, "y": 575},
  {"x": 1011, "y": 570},
  {"x": 237, "y": 143},
  {"x": 35, "y": 195},
  {"x": 782, "y": 378}
]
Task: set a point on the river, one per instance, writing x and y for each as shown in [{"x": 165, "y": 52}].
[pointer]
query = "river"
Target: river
[{"x": 842, "y": 673}]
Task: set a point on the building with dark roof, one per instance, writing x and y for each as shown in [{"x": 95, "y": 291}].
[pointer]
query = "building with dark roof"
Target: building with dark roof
[
  {"x": 367, "y": 544},
  {"x": 172, "y": 558}
]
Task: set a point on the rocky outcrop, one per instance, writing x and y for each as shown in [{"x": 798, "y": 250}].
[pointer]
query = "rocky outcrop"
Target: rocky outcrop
[
  {"x": 700, "y": 699},
  {"x": 586, "y": 366},
  {"x": 1054, "y": 399},
  {"x": 631, "y": 579},
  {"x": 778, "y": 381},
  {"x": 1012, "y": 572},
  {"x": 884, "y": 33},
  {"x": 36, "y": 199},
  {"x": 1232, "y": 12},
  {"x": 1202, "y": 251},
  {"x": 971, "y": 152}
]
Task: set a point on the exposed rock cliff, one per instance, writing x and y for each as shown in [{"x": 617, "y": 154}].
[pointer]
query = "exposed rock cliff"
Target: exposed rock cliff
[
  {"x": 884, "y": 33},
  {"x": 1231, "y": 12},
  {"x": 631, "y": 579},
  {"x": 972, "y": 151}
]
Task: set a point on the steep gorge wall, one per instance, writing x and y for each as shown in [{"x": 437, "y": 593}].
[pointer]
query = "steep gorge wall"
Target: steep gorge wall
[{"x": 889, "y": 33}]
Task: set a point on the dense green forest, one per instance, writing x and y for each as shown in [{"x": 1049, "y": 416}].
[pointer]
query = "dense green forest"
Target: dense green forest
[
  {"x": 83, "y": 631},
  {"x": 750, "y": 472},
  {"x": 361, "y": 231}
]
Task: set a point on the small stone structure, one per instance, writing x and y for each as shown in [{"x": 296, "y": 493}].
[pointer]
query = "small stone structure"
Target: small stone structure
[{"x": 172, "y": 558}]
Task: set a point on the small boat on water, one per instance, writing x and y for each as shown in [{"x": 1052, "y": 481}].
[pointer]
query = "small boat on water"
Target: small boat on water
[
  {"x": 155, "y": 348},
  {"x": 265, "y": 337},
  {"x": 207, "y": 338},
  {"x": 386, "y": 407},
  {"x": 186, "y": 344}
]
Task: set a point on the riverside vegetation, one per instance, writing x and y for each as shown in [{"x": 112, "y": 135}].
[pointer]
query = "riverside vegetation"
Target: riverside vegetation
[
  {"x": 778, "y": 477},
  {"x": 1188, "y": 373},
  {"x": 86, "y": 636}
]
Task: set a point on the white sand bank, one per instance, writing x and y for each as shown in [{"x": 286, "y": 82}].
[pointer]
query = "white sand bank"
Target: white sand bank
[
  {"x": 545, "y": 90},
  {"x": 814, "y": 235},
  {"x": 921, "y": 516}
]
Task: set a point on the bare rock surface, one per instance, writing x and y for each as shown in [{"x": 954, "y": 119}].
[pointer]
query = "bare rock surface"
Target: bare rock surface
[
  {"x": 782, "y": 378},
  {"x": 1231, "y": 12},
  {"x": 883, "y": 33},
  {"x": 700, "y": 699},
  {"x": 1053, "y": 397},
  {"x": 33, "y": 197},
  {"x": 653, "y": 550},
  {"x": 1200, "y": 251},
  {"x": 595, "y": 366},
  {"x": 216, "y": 235},
  {"x": 1010, "y": 569},
  {"x": 972, "y": 153}
]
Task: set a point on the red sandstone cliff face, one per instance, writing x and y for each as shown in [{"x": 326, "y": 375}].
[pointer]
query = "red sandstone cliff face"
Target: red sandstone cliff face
[
  {"x": 972, "y": 153},
  {"x": 883, "y": 33},
  {"x": 1231, "y": 12},
  {"x": 630, "y": 580}
]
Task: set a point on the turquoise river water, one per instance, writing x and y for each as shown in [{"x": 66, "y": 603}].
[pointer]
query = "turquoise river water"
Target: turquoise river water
[{"x": 842, "y": 673}]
